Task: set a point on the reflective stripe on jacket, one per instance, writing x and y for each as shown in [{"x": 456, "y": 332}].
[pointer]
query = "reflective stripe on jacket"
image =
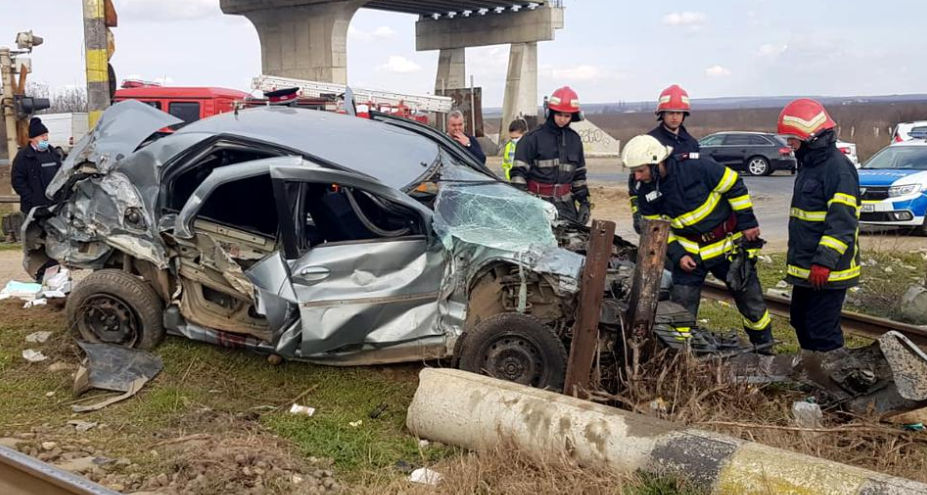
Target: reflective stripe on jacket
[
  {"x": 697, "y": 196},
  {"x": 508, "y": 158},
  {"x": 552, "y": 155},
  {"x": 824, "y": 215}
]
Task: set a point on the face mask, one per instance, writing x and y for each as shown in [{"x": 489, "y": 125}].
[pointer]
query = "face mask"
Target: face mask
[{"x": 43, "y": 145}]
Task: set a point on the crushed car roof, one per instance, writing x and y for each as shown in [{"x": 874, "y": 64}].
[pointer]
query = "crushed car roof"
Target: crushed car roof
[{"x": 388, "y": 153}]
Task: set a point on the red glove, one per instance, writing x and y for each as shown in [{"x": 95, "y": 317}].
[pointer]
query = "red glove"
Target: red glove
[{"x": 818, "y": 276}]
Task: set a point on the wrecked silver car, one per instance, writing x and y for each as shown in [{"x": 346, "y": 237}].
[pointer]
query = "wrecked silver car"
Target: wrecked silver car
[{"x": 320, "y": 237}]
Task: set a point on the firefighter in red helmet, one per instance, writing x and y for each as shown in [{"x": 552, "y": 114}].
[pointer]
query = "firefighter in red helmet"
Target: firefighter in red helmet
[
  {"x": 549, "y": 160},
  {"x": 823, "y": 256},
  {"x": 672, "y": 109}
]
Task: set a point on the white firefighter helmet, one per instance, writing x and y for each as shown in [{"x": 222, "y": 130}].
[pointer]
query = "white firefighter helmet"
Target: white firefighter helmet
[{"x": 644, "y": 150}]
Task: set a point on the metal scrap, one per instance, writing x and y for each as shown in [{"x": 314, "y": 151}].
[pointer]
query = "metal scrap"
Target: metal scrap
[{"x": 116, "y": 368}]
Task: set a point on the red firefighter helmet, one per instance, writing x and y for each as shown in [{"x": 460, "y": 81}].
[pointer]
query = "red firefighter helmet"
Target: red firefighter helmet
[
  {"x": 673, "y": 99},
  {"x": 804, "y": 119},
  {"x": 565, "y": 100}
]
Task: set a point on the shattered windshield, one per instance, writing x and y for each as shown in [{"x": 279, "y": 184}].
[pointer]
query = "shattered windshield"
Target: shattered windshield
[{"x": 476, "y": 209}]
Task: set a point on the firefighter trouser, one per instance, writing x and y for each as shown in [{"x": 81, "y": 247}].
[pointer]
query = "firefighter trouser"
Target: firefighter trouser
[
  {"x": 815, "y": 316},
  {"x": 687, "y": 291}
]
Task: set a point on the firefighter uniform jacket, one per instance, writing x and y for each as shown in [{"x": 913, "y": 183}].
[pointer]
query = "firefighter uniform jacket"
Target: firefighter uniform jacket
[
  {"x": 684, "y": 147},
  {"x": 824, "y": 217},
  {"x": 552, "y": 156},
  {"x": 698, "y": 197}
]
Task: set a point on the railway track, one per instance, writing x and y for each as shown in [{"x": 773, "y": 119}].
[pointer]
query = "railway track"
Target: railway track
[
  {"x": 24, "y": 475},
  {"x": 854, "y": 323}
]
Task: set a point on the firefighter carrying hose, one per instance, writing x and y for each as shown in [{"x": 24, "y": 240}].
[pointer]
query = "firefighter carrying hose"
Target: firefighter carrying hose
[
  {"x": 672, "y": 109},
  {"x": 549, "y": 160},
  {"x": 710, "y": 216},
  {"x": 823, "y": 257}
]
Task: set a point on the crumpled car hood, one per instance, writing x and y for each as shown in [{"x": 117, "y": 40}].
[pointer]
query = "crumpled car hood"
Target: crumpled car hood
[{"x": 100, "y": 206}]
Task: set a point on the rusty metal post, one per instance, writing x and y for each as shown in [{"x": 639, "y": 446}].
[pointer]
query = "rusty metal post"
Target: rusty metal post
[
  {"x": 648, "y": 272},
  {"x": 591, "y": 293}
]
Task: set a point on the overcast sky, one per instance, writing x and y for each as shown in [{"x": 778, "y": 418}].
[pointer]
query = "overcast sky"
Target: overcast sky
[{"x": 609, "y": 50}]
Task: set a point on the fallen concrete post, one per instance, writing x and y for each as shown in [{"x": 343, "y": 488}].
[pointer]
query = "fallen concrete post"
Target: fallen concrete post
[{"x": 482, "y": 413}]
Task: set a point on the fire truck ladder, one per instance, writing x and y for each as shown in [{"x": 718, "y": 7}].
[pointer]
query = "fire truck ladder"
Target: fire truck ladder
[{"x": 314, "y": 89}]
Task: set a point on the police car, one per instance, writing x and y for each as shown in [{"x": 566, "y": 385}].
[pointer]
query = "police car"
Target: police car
[{"x": 893, "y": 186}]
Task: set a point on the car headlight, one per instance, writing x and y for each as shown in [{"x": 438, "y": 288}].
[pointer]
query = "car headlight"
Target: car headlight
[{"x": 895, "y": 191}]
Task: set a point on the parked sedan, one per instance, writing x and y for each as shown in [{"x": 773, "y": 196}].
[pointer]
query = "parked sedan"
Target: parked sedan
[
  {"x": 757, "y": 153},
  {"x": 267, "y": 229}
]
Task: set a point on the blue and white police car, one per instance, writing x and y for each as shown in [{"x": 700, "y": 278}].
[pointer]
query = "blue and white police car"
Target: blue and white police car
[{"x": 893, "y": 186}]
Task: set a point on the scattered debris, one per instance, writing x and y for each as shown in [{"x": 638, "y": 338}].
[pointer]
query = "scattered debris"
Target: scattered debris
[
  {"x": 38, "y": 337},
  {"x": 355, "y": 424},
  {"x": 807, "y": 414},
  {"x": 425, "y": 476},
  {"x": 56, "y": 282},
  {"x": 914, "y": 305},
  {"x": 779, "y": 293},
  {"x": 33, "y": 356},
  {"x": 304, "y": 410},
  {"x": 888, "y": 269},
  {"x": 50, "y": 394},
  {"x": 26, "y": 291},
  {"x": 766, "y": 259},
  {"x": 116, "y": 368},
  {"x": 782, "y": 284},
  {"x": 35, "y": 302},
  {"x": 423, "y": 443},
  {"x": 914, "y": 427},
  {"x": 82, "y": 426}
]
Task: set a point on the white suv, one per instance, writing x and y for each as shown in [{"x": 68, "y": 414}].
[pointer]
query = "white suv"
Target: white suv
[
  {"x": 849, "y": 149},
  {"x": 905, "y": 131}
]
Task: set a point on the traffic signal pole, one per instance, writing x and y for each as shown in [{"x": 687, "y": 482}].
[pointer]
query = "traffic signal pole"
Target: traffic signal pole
[{"x": 97, "y": 59}]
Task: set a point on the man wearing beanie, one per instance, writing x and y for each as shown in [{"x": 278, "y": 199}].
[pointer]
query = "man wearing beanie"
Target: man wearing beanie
[{"x": 34, "y": 167}]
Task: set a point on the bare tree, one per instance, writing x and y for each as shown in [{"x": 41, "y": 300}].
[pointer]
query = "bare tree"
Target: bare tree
[{"x": 69, "y": 100}]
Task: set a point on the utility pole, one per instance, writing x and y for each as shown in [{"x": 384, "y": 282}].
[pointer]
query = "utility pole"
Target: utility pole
[
  {"x": 9, "y": 108},
  {"x": 98, "y": 16}
]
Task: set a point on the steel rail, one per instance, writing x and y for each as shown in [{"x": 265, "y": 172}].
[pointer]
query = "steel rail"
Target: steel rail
[
  {"x": 854, "y": 323},
  {"x": 24, "y": 475}
]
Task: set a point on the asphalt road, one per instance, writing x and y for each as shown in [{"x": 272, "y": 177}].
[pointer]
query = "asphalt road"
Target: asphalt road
[{"x": 771, "y": 198}]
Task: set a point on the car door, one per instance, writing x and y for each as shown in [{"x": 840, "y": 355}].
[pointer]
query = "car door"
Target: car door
[
  {"x": 352, "y": 286},
  {"x": 734, "y": 150},
  {"x": 710, "y": 145}
]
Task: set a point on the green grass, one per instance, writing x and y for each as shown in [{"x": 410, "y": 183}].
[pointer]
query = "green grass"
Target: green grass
[
  {"x": 879, "y": 293},
  {"x": 10, "y": 247}
]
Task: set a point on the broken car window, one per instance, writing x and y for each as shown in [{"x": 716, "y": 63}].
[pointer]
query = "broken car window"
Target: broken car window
[{"x": 476, "y": 209}]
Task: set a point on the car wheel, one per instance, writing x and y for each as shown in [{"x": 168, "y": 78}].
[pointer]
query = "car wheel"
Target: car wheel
[
  {"x": 514, "y": 347},
  {"x": 758, "y": 165},
  {"x": 115, "y": 307}
]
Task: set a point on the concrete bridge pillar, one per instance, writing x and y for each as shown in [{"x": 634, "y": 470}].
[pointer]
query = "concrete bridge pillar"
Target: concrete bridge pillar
[
  {"x": 521, "y": 87},
  {"x": 452, "y": 70},
  {"x": 303, "y": 39}
]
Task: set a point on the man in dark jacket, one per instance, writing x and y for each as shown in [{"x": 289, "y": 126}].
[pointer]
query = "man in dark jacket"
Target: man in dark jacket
[
  {"x": 34, "y": 167},
  {"x": 672, "y": 110},
  {"x": 455, "y": 129},
  {"x": 711, "y": 215},
  {"x": 549, "y": 161},
  {"x": 823, "y": 257}
]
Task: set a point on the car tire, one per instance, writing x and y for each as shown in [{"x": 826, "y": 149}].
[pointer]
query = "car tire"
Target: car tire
[
  {"x": 115, "y": 307},
  {"x": 758, "y": 165},
  {"x": 516, "y": 348}
]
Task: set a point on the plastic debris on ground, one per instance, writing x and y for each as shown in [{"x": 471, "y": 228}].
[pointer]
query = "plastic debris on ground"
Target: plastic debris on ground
[
  {"x": 26, "y": 291},
  {"x": 56, "y": 282},
  {"x": 425, "y": 476},
  {"x": 38, "y": 337},
  {"x": 114, "y": 368},
  {"x": 423, "y": 443},
  {"x": 782, "y": 284},
  {"x": 355, "y": 424},
  {"x": 33, "y": 356},
  {"x": 303, "y": 410},
  {"x": 914, "y": 427},
  {"x": 36, "y": 302}
]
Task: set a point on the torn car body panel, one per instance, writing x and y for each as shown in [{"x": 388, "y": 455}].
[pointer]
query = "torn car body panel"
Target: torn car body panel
[{"x": 262, "y": 229}]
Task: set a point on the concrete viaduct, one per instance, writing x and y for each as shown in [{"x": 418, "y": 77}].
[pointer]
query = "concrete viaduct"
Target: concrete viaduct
[{"x": 306, "y": 39}]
